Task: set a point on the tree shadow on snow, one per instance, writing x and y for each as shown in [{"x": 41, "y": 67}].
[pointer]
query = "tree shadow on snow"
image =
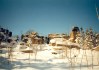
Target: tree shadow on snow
[
  {"x": 5, "y": 63},
  {"x": 37, "y": 64}
]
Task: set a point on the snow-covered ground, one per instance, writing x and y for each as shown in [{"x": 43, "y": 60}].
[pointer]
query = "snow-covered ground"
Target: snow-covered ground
[{"x": 49, "y": 59}]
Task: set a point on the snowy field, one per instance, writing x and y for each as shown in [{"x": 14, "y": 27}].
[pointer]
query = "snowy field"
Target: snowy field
[{"x": 48, "y": 59}]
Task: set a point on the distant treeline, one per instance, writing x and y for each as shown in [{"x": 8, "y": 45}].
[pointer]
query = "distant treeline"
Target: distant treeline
[{"x": 5, "y": 34}]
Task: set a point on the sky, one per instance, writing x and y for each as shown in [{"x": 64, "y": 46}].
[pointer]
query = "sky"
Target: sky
[{"x": 48, "y": 16}]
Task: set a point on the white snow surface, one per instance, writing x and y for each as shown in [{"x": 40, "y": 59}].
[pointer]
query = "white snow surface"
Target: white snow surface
[{"x": 48, "y": 59}]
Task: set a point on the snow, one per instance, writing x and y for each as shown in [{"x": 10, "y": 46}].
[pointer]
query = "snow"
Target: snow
[{"x": 43, "y": 59}]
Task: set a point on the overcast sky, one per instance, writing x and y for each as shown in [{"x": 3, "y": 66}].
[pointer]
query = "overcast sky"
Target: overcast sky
[{"x": 48, "y": 16}]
